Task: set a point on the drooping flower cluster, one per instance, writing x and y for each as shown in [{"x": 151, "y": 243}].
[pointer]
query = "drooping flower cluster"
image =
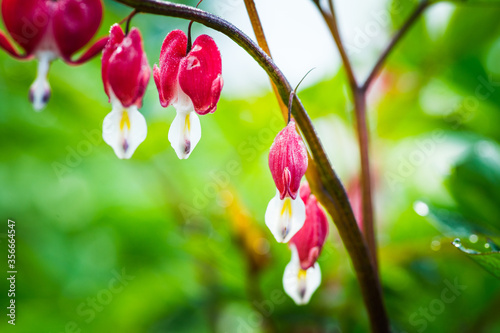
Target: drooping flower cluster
[
  {"x": 296, "y": 219},
  {"x": 189, "y": 77},
  {"x": 125, "y": 74},
  {"x": 191, "y": 81},
  {"x": 47, "y": 30}
]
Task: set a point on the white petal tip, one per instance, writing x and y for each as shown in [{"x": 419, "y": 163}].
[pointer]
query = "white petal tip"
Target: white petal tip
[
  {"x": 285, "y": 217},
  {"x": 184, "y": 133},
  {"x": 300, "y": 285},
  {"x": 124, "y": 130},
  {"x": 39, "y": 95},
  {"x": 40, "y": 89},
  {"x": 182, "y": 150}
]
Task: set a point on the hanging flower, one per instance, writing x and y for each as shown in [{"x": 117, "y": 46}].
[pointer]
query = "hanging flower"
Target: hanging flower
[
  {"x": 191, "y": 81},
  {"x": 300, "y": 284},
  {"x": 47, "y": 30},
  {"x": 125, "y": 74},
  {"x": 302, "y": 275},
  {"x": 285, "y": 214}
]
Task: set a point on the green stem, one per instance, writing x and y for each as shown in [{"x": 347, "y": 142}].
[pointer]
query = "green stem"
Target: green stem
[{"x": 368, "y": 222}]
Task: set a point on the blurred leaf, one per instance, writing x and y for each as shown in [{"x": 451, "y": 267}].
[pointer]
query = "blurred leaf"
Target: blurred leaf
[
  {"x": 489, "y": 260},
  {"x": 475, "y": 184},
  {"x": 469, "y": 25},
  {"x": 452, "y": 223}
]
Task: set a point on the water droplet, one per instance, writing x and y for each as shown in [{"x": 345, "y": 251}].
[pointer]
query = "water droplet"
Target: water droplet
[
  {"x": 473, "y": 238},
  {"x": 457, "y": 242},
  {"x": 127, "y": 42},
  {"x": 421, "y": 208},
  {"x": 196, "y": 48},
  {"x": 193, "y": 62},
  {"x": 487, "y": 245}
]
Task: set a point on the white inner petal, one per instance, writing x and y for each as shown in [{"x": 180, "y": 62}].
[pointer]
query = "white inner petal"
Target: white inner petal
[
  {"x": 300, "y": 284},
  {"x": 185, "y": 133},
  {"x": 124, "y": 129},
  {"x": 40, "y": 89},
  {"x": 183, "y": 103},
  {"x": 285, "y": 217}
]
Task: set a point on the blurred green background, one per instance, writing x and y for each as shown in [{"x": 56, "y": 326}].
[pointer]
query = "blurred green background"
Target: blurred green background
[{"x": 187, "y": 238}]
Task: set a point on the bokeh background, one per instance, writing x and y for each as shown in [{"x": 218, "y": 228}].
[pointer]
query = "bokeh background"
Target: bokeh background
[{"x": 156, "y": 244}]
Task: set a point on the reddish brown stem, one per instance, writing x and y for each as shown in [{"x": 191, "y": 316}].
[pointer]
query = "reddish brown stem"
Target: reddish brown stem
[{"x": 368, "y": 224}]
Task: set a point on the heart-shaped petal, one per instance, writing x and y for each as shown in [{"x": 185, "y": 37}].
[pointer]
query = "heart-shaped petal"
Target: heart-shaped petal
[
  {"x": 125, "y": 67},
  {"x": 74, "y": 24},
  {"x": 200, "y": 75},
  {"x": 309, "y": 240},
  {"x": 173, "y": 51},
  {"x": 27, "y": 21}
]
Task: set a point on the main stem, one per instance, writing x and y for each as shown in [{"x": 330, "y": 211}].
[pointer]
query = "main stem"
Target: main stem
[
  {"x": 368, "y": 224},
  {"x": 362, "y": 128},
  {"x": 326, "y": 184},
  {"x": 359, "y": 92}
]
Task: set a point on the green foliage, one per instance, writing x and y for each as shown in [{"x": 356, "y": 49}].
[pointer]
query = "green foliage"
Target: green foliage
[
  {"x": 83, "y": 216},
  {"x": 474, "y": 183}
]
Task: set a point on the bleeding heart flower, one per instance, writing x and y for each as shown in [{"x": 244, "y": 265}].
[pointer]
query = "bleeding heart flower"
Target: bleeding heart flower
[
  {"x": 47, "y": 30},
  {"x": 125, "y": 74},
  {"x": 302, "y": 275},
  {"x": 191, "y": 81},
  {"x": 300, "y": 284},
  {"x": 309, "y": 240},
  {"x": 285, "y": 214}
]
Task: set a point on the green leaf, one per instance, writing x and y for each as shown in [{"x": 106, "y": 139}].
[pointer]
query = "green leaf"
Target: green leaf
[
  {"x": 452, "y": 223},
  {"x": 474, "y": 183},
  {"x": 485, "y": 253}
]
